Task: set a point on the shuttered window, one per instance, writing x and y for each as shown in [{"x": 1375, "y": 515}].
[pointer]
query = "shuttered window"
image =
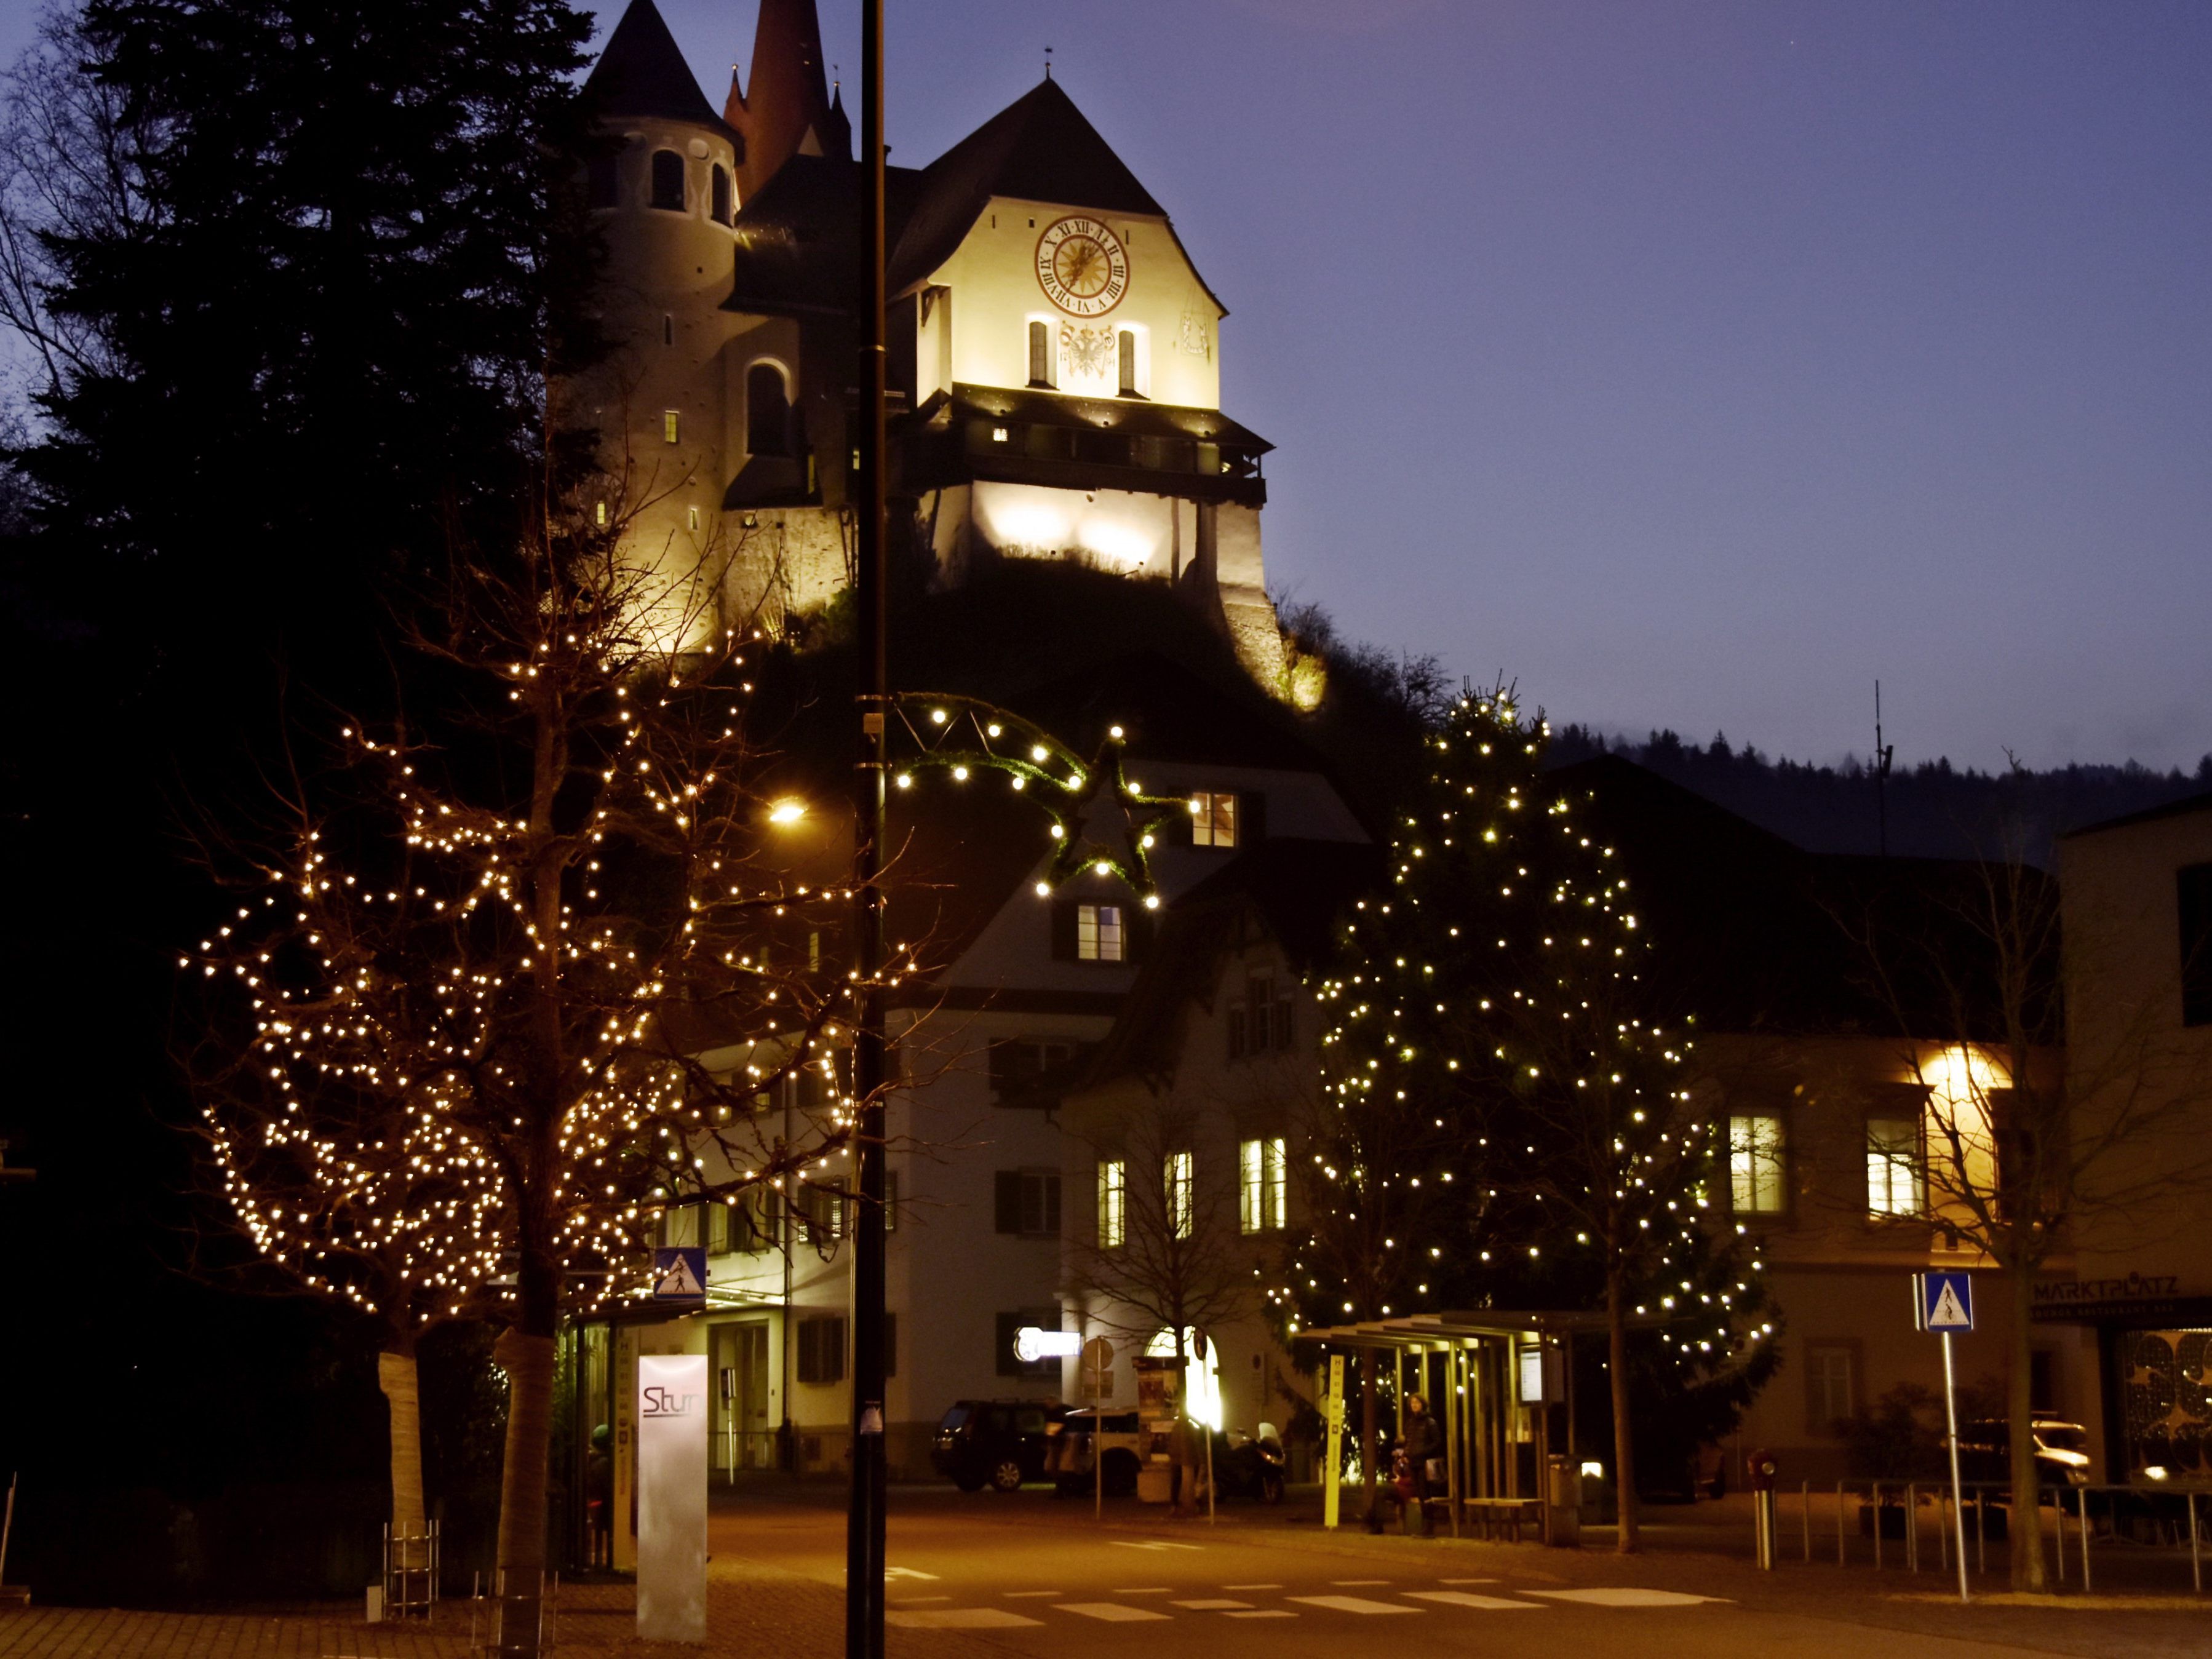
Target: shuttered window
[{"x": 1041, "y": 355}]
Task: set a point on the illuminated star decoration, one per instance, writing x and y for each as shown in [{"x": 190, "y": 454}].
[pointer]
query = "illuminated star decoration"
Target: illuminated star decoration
[{"x": 965, "y": 736}]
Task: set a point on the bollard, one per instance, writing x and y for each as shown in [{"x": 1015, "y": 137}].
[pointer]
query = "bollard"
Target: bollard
[
  {"x": 1911, "y": 1528},
  {"x": 2086, "y": 1587},
  {"x": 1981, "y": 1534},
  {"x": 2057, "y": 1527},
  {"x": 1877, "y": 1525},
  {"x": 1839, "y": 1523},
  {"x": 1805, "y": 1514},
  {"x": 1762, "y": 1508},
  {"x": 2196, "y": 1561}
]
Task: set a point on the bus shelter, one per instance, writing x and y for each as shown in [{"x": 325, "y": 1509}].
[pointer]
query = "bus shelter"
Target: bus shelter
[{"x": 1497, "y": 1375}]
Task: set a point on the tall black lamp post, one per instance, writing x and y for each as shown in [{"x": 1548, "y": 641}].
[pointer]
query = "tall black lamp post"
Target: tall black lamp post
[{"x": 864, "y": 1535}]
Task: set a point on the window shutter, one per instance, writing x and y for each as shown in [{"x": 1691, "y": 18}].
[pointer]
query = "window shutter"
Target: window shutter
[
  {"x": 1137, "y": 929},
  {"x": 1007, "y": 1201},
  {"x": 1063, "y": 930},
  {"x": 1251, "y": 819},
  {"x": 1052, "y": 1204}
]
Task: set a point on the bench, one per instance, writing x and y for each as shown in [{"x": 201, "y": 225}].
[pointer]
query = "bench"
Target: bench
[{"x": 1504, "y": 1517}]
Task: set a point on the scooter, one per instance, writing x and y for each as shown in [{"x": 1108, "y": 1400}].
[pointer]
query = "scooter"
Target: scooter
[{"x": 1249, "y": 1466}]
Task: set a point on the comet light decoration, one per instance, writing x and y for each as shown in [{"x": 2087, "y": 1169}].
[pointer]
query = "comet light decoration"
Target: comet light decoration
[{"x": 1102, "y": 822}]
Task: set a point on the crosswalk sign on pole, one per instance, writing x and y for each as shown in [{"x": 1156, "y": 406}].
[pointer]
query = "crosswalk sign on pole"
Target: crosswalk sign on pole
[{"x": 1943, "y": 1302}]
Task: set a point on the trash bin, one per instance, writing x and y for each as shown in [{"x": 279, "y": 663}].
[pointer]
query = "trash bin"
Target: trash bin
[
  {"x": 1156, "y": 1483},
  {"x": 1564, "y": 1494}
]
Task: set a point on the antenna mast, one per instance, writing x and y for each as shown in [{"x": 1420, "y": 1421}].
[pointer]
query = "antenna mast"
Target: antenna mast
[{"x": 1881, "y": 757}]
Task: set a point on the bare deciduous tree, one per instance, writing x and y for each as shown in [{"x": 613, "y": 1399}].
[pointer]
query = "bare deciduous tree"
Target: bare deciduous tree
[{"x": 2031, "y": 1132}]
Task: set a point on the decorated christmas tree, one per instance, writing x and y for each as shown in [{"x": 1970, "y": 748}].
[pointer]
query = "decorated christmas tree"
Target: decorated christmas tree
[{"x": 1508, "y": 1120}]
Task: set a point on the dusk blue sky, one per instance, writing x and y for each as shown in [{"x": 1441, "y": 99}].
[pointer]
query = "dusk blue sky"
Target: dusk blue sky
[{"x": 1693, "y": 363}]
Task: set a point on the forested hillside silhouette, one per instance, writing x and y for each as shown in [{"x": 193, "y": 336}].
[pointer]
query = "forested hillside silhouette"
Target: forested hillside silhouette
[{"x": 1934, "y": 810}]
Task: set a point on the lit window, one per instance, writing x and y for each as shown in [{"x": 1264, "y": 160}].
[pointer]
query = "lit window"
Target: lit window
[
  {"x": 1098, "y": 933},
  {"x": 668, "y": 425},
  {"x": 1177, "y": 1198},
  {"x": 1755, "y": 1164},
  {"x": 693, "y": 513},
  {"x": 1041, "y": 355},
  {"x": 1113, "y": 1203},
  {"x": 599, "y": 514},
  {"x": 1212, "y": 820},
  {"x": 1263, "y": 1185},
  {"x": 1893, "y": 1164},
  {"x": 998, "y": 435}
]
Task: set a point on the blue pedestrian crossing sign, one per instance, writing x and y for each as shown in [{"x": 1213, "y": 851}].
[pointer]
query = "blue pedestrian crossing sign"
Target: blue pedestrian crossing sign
[
  {"x": 679, "y": 1274},
  {"x": 1943, "y": 1302}
]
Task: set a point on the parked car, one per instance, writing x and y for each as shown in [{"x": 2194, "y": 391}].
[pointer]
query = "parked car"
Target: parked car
[
  {"x": 2061, "y": 1457},
  {"x": 1082, "y": 1438},
  {"x": 994, "y": 1442}
]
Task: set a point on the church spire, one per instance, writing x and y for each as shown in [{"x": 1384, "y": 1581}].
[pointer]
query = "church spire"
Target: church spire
[{"x": 787, "y": 111}]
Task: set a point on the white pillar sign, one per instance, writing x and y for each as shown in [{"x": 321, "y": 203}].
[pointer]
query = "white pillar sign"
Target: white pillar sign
[{"x": 672, "y": 1497}]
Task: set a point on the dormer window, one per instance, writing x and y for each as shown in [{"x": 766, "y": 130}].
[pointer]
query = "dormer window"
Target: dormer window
[
  {"x": 721, "y": 194},
  {"x": 1041, "y": 363},
  {"x": 668, "y": 181},
  {"x": 1213, "y": 819}
]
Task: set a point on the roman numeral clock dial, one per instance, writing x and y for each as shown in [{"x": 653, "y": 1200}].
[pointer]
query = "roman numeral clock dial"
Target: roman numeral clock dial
[{"x": 1082, "y": 266}]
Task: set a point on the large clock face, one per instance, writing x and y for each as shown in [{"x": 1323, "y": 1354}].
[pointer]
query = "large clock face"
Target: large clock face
[{"x": 1082, "y": 266}]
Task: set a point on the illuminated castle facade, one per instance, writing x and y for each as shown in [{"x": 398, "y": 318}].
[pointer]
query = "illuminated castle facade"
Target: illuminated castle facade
[{"x": 1056, "y": 356}]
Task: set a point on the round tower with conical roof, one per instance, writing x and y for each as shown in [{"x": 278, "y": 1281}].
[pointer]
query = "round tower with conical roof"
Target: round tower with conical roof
[{"x": 666, "y": 197}]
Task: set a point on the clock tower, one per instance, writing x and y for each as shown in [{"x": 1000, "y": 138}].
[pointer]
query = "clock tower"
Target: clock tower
[{"x": 1055, "y": 355}]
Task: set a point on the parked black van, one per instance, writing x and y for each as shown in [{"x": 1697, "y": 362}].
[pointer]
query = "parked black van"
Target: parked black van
[{"x": 994, "y": 1442}]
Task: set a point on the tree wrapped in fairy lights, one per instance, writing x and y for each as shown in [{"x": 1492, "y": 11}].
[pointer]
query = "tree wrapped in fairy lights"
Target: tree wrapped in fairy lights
[
  {"x": 1507, "y": 1121},
  {"x": 489, "y": 1004}
]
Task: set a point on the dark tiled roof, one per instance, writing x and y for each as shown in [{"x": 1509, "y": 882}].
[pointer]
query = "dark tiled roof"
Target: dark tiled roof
[
  {"x": 798, "y": 240},
  {"x": 1755, "y": 934},
  {"x": 1294, "y": 892},
  {"x": 1038, "y": 149},
  {"x": 2172, "y": 809},
  {"x": 642, "y": 72}
]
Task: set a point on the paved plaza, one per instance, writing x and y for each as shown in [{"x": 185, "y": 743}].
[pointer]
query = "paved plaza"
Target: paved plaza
[{"x": 1031, "y": 1575}]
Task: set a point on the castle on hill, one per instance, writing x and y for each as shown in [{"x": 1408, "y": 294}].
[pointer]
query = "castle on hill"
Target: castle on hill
[{"x": 1055, "y": 366}]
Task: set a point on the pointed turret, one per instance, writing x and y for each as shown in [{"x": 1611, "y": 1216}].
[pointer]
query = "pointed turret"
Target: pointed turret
[
  {"x": 642, "y": 72},
  {"x": 788, "y": 111}
]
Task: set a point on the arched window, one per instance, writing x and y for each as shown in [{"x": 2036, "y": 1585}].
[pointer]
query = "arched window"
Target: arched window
[
  {"x": 1041, "y": 353},
  {"x": 721, "y": 199},
  {"x": 768, "y": 411},
  {"x": 668, "y": 181},
  {"x": 1126, "y": 343},
  {"x": 600, "y": 181}
]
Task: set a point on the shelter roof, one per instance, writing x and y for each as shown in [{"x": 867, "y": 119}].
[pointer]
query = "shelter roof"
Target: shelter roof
[{"x": 1476, "y": 1324}]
